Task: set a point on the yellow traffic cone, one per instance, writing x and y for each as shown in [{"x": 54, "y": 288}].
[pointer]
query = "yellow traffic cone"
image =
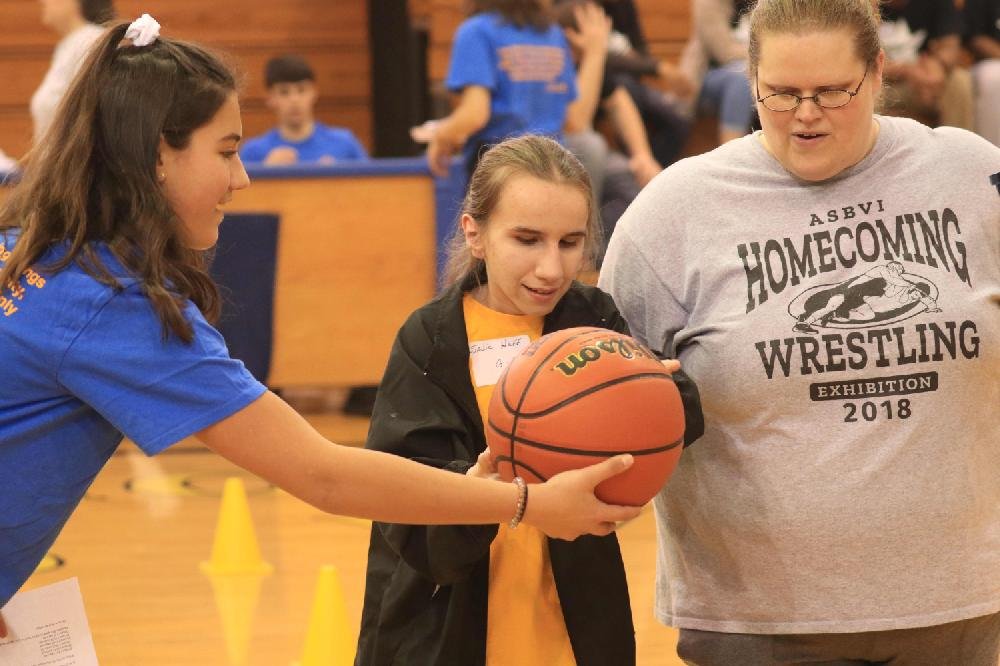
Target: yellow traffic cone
[
  {"x": 235, "y": 550},
  {"x": 329, "y": 641}
]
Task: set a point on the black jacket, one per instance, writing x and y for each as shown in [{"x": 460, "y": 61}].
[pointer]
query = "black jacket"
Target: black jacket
[{"x": 426, "y": 588}]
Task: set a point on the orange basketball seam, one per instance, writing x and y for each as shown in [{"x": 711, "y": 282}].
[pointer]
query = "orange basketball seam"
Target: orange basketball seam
[
  {"x": 583, "y": 452},
  {"x": 593, "y": 389},
  {"x": 538, "y": 474}
]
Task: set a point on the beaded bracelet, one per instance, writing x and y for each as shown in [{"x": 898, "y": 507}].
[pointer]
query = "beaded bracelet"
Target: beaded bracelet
[{"x": 522, "y": 501}]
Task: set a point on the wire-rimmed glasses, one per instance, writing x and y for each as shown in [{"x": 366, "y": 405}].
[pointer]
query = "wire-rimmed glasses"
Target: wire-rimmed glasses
[{"x": 827, "y": 99}]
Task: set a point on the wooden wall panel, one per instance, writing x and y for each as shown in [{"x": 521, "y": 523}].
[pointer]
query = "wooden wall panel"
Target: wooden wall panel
[
  {"x": 446, "y": 17},
  {"x": 665, "y": 21},
  {"x": 342, "y": 290},
  {"x": 21, "y": 26},
  {"x": 331, "y": 34}
]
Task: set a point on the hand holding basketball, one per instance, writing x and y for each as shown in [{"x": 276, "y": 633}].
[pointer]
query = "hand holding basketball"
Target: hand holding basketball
[
  {"x": 485, "y": 467},
  {"x": 565, "y": 507},
  {"x": 671, "y": 365}
]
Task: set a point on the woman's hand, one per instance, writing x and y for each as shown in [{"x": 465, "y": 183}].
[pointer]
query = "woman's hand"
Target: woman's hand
[
  {"x": 485, "y": 467},
  {"x": 471, "y": 114},
  {"x": 671, "y": 365},
  {"x": 564, "y": 507}
]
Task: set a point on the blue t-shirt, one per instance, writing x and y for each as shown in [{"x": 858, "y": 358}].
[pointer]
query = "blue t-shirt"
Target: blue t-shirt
[
  {"x": 529, "y": 74},
  {"x": 82, "y": 364},
  {"x": 336, "y": 142}
]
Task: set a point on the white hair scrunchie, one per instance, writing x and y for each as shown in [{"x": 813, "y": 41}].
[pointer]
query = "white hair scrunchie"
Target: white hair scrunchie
[{"x": 143, "y": 31}]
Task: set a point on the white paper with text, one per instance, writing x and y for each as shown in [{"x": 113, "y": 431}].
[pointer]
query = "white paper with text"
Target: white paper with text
[
  {"x": 47, "y": 626},
  {"x": 491, "y": 357}
]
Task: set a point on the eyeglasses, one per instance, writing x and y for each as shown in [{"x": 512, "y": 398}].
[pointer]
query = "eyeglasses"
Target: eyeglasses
[{"x": 828, "y": 99}]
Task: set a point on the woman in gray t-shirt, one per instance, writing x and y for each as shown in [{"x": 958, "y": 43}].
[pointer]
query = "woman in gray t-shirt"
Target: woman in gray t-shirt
[{"x": 831, "y": 283}]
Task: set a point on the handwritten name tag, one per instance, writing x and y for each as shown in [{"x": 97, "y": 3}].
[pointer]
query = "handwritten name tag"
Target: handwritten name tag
[{"x": 490, "y": 357}]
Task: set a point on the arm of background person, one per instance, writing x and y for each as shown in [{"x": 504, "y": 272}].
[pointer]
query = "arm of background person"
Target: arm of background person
[
  {"x": 710, "y": 20},
  {"x": 947, "y": 49},
  {"x": 635, "y": 63},
  {"x": 984, "y": 46},
  {"x": 934, "y": 67},
  {"x": 894, "y": 70},
  {"x": 591, "y": 40},
  {"x": 469, "y": 116},
  {"x": 628, "y": 123}
]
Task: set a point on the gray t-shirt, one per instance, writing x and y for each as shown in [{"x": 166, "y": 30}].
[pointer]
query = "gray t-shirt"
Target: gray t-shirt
[{"x": 845, "y": 338}]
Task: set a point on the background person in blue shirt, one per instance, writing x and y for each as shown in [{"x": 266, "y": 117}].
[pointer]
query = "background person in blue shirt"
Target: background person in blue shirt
[
  {"x": 299, "y": 138},
  {"x": 512, "y": 73}
]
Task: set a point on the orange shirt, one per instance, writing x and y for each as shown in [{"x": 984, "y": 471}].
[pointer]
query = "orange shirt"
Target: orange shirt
[{"x": 525, "y": 625}]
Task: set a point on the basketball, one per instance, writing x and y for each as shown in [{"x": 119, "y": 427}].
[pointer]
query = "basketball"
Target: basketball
[{"x": 578, "y": 396}]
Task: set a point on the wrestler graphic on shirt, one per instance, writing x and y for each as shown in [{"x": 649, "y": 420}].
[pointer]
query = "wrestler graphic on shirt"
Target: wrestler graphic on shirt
[{"x": 853, "y": 299}]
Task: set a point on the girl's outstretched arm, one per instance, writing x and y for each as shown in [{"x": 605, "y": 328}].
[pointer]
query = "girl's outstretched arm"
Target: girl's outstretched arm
[{"x": 271, "y": 440}]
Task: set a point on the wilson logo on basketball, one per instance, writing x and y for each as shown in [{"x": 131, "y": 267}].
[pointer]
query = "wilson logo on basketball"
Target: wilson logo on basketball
[{"x": 627, "y": 349}]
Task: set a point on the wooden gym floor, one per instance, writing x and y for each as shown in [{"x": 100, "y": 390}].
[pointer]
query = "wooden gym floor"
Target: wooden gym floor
[{"x": 137, "y": 539}]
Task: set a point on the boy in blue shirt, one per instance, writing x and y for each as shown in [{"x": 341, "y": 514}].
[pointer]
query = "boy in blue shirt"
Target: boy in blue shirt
[{"x": 299, "y": 137}]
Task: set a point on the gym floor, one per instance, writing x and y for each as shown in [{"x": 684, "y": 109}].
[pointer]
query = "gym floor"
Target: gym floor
[{"x": 137, "y": 539}]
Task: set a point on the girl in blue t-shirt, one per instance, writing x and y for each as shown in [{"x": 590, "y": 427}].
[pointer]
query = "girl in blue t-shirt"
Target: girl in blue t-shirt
[
  {"x": 104, "y": 311},
  {"x": 513, "y": 74}
]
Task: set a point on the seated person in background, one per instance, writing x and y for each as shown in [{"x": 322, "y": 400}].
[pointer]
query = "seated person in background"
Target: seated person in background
[
  {"x": 78, "y": 23},
  {"x": 628, "y": 50},
  {"x": 617, "y": 177},
  {"x": 923, "y": 80},
  {"x": 299, "y": 138},
  {"x": 982, "y": 34},
  {"x": 715, "y": 58},
  {"x": 646, "y": 78}
]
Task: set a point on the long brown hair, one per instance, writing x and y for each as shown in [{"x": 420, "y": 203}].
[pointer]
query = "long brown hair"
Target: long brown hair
[
  {"x": 534, "y": 13},
  {"x": 527, "y": 155},
  {"x": 92, "y": 178}
]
